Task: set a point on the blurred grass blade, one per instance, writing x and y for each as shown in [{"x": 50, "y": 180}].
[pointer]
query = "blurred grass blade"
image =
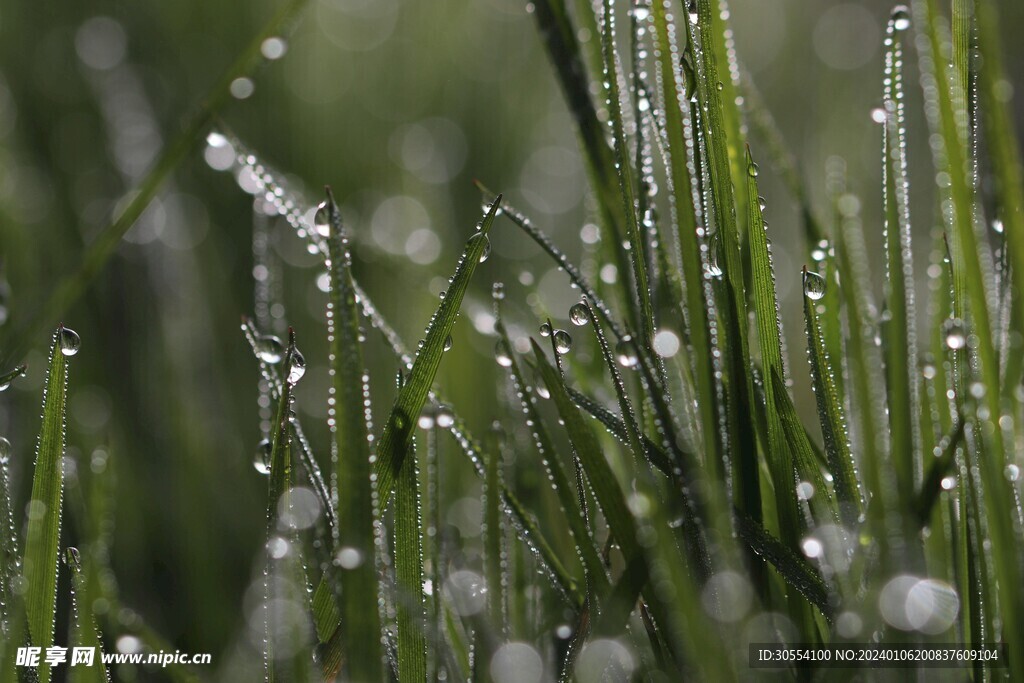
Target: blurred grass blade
[
  {"x": 8, "y": 377},
  {"x": 410, "y": 605},
  {"x": 73, "y": 285},
  {"x": 831, "y": 411},
  {"x": 940, "y": 468},
  {"x": 398, "y": 430},
  {"x": 42, "y": 542},
  {"x": 84, "y": 632},
  {"x": 348, "y": 417}
]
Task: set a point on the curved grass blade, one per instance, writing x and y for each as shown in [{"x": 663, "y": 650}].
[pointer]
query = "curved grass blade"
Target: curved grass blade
[
  {"x": 102, "y": 248},
  {"x": 42, "y": 542},
  {"x": 349, "y": 420},
  {"x": 8, "y": 377},
  {"x": 84, "y": 632},
  {"x": 617, "y": 428},
  {"x": 941, "y": 466},
  {"x": 398, "y": 430},
  {"x": 410, "y": 604},
  {"x": 831, "y": 411}
]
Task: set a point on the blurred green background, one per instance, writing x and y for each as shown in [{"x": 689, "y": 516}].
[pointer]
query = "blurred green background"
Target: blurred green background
[{"x": 396, "y": 105}]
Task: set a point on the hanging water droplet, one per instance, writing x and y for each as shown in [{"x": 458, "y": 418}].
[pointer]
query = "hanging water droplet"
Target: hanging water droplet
[
  {"x": 563, "y": 342},
  {"x": 578, "y": 314},
  {"x": 498, "y": 291},
  {"x": 900, "y": 18},
  {"x": 69, "y": 341},
  {"x": 298, "y": 367},
  {"x": 445, "y": 418},
  {"x": 762, "y": 203},
  {"x": 5, "y": 450},
  {"x": 1012, "y": 472},
  {"x": 448, "y": 343},
  {"x": 502, "y": 355},
  {"x": 487, "y": 245},
  {"x": 814, "y": 286},
  {"x": 269, "y": 349},
  {"x": 625, "y": 353},
  {"x": 955, "y": 336},
  {"x": 321, "y": 221},
  {"x": 752, "y": 170},
  {"x": 997, "y": 226},
  {"x": 261, "y": 458},
  {"x": 545, "y": 329},
  {"x": 426, "y": 419}
]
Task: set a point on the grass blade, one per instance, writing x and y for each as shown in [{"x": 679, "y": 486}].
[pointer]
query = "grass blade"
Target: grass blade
[
  {"x": 398, "y": 430},
  {"x": 8, "y": 377},
  {"x": 84, "y": 632},
  {"x": 102, "y": 248},
  {"x": 42, "y": 542},
  {"x": 349, "y": 420},
  {"x": 411, "y": 608},
  {"x": 941, "y": 466}
]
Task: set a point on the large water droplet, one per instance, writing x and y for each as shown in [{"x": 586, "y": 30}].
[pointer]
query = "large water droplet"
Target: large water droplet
[
  {"x": 445, "y": 418},
  {"x": 900, "y": 18},
  {"x": 625, "y": 353},
  {"x": 448, "y": 343},
  {"x": 502, "y": 355},
  {"x": 956, "y": 338},
  {"x": 545, "y": 329},
  {"x": 752, "y": 170},
  {"x": 321, "y": 221},
  {"x": 578, "y": 314},
  {"x": 5, "y": 450},
  {"x": 261, "y": 458},
  {"x": 487, "y": 245},
  {"x": 298, "y": 367},
  {"x": 269, "y": 349},
  {"x": 814, "y": 286},
  {"x": 69, "y": 341},
  {"x": 563, "y": 342}
]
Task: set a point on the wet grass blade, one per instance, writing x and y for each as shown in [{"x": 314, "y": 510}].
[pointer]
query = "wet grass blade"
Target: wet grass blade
[
  {"x": 102, "y": 248},
  {"x": 398, "y": 430},
  {"x": 409, "y": 599},
  {"x": 42, "y": 542},
  {"x": 941, "y": 467},
  {"x": 831, "y": 411},
  {"x": 84, "y": 632},
  {"x": 617, "y": 428},
  {"x": 8, "y": 377},
  {"x": 348, "y": 417}
]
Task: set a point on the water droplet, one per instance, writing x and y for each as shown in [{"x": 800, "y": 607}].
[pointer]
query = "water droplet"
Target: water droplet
[
  {"x": 448, "y": 343},
  {"x": 1012, "y": 472},
  {"x": 666, "y": 343},
  {"x": 814, "y": 286},
  {"x": 298, "y": 367},
  {"x": 502, "y": 355},
  {"x": 485, "y": 254},
  {"x": 349, "y": 558},
  {"x": 269, "y": 349},
  {"x": 805, "y": 490},
  {"x": 900, "y": 18},
  {"x": 426, "y": 419},
  {"x": 69, "y": 341},
  {"x": 498, "y": 291},
  {"x": 625, "y": 353},
  {"x": 545, "y": 329},
  {"x": 5, "y": 450},
  {"x": 752, "y": 170},
  {"x": 563, "y": 342},
  {"x": 762, "y": 204},
  {"x": 261, "y": 459},
  {"x": 955, "y": 336},
  {"x": 321, "y": 221},
  {"x": 578, "y": 314}
]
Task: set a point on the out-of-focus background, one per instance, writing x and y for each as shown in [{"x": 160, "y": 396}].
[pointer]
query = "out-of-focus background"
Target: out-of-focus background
[{"x": 396, "y": 105}]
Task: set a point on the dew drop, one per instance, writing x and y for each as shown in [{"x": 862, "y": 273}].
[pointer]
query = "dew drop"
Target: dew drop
[
  {"x": 445, "y": 417},
  {"x": 498, "y": 291},
  {"x": 1012, "y": 472},
  {"x": 752, "y": 170},
  {"x": 563, "y": 342},
  {"x": 321, "y": 221},
  {"x": 900, "y": 18},
  {"x": 578, "y": 314},
  {"x": 447, "y": 343},
  {"x": 298, "y": 367},
  {"x": 69, "y": 341},
  {"x": 261, "y": 458},
  {"x": 545, "y": 329},
  {"x": 814, "y": 286},
  {"x": 955, "y": 336},
  {"x": 501, "y": 354},
  {"x": 5, "y": 450},
  {"x": 269, "y": 349},
  {"x": 625, "y": 353}
]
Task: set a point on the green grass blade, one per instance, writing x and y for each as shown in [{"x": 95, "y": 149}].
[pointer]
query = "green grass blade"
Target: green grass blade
[
  {"x": 831, "y": 411},
  {"x": 941, "y": 467},
  {"x": 617, "y": 428},
  {"x": 349, "y": 418},
  {"x": 564, "y": 490},
  {"x": 898, "y": 331},
  {"x": 410, "y": 604},
  {"x": 102, "y": 248},
  {"x": 42, "y": 542},
  {"x": 8, "y": 377},
  {"x": 643, "y": 317},
  {"x": 398, "y": 429},
  {"x": 84, "y": 632}
]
